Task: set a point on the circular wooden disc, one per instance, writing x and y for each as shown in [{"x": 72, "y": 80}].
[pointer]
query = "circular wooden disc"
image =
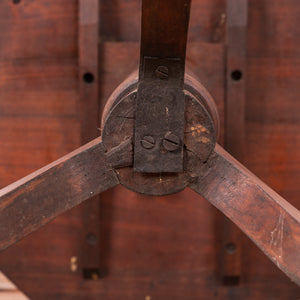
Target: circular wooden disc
[{"x": 200, "y": 139}]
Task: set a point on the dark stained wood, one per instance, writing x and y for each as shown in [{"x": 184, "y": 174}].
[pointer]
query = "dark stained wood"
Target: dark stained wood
[
  {"x": 236, "y": 52},
  {"x": 164, "y": 29},
  {"x": 88, "y": 80},
  {"x": 159, "y": 247},
  {"x": 120, "y": 20},
  {"x": 121, "y": 210},
  {"x": 36, "y": 199},
  {"x": 160, "y": 95},
  {"x": 200, "y": 137},
  {"x": 88, "y": 59},
  {"x": 269, "y": 220},
  {"x": 236, "y": 55}
]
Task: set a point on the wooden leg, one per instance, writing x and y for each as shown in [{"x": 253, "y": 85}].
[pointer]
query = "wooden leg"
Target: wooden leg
[
  {"x": 266, "y": 218},
  {"x": 34, "y": 200}
]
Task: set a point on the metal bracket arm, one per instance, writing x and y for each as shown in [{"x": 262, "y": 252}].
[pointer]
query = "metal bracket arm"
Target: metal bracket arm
[{"x": 159, "y": 125}]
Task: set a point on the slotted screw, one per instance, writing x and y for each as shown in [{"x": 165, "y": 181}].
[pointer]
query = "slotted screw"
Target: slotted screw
[
  {"x": 171, "y": 142},
  {"x": 162, "y": 72},
  {"x": 148, "y": 142}
]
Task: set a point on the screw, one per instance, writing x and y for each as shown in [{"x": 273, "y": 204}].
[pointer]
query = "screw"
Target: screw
[
  {"x": 171, "y": 142},
  {"x": 148, "y": 142},
  {"x": 162, "y": 72}
]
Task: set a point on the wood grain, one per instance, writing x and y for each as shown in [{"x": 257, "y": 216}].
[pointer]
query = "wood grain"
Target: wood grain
[
  {"x": 236, "y": 81},
  {"x": 126, "y": 220},
  {"x": 88, "y": 81},
  {"x": 268, "y": 219},
  {"x": 34, "y": 200},
  {"x": 158, "y": 247}
]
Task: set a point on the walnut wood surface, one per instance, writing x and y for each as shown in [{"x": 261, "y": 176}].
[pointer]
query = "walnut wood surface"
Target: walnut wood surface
[
  {"x": 36, "y": 199},
  {"x": 236, "y": 82},
  {"x": 268, "y": 219},
  {"x": 164, "y": 30},
  {"x": 89, "y": 86},
  {"x": 151, "y": 247}
]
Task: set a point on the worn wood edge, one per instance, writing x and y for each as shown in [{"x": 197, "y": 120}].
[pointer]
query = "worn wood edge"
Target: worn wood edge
[
  {"x": 255, "y": 221},
  {"x": 44, "y": 169},
  {"x": 259, "y": 183},
  {"x": 13, "y": 206}
]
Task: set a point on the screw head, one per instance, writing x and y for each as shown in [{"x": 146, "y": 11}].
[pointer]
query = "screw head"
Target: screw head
[
  {"x": 148, "y": 142},
  {"x": 162, "y": 72},
  {"x": 171, "y": 142}
]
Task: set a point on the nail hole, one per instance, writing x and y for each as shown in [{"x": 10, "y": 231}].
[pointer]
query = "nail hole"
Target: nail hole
[
  {"x": 236, "y": 75},
  {"x": 91, "y": 239},
  {"x": 16, "y": 1},
  {"x": 88, "y": 77},
  {"x": 230, "y": 248}
]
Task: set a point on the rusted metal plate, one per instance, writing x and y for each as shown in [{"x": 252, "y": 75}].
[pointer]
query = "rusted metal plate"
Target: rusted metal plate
[{"x": 159, "y": 120}]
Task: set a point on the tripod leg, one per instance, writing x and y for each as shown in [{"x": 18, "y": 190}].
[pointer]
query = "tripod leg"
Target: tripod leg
[
  {"x": 266, "y": 218},
  {"x": 34, "y": 200}
]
